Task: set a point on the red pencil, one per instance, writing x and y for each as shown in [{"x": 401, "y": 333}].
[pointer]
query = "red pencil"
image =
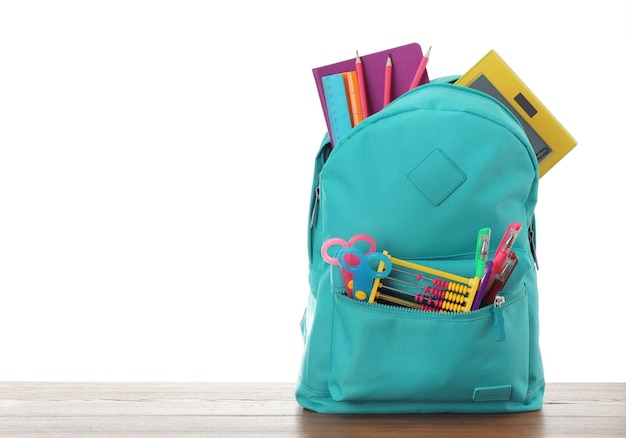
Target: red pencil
[
  {"x": 388, "y": 72},
  {"x": 420, "y": 70},
  {"x": 361, "y": 80}
]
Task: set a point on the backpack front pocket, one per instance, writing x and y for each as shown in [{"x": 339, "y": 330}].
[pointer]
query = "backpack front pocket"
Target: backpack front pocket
[{"x": 383, "y": 353}]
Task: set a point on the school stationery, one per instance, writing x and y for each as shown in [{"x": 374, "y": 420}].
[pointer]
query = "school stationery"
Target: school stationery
[
  {"x": 354, "y": 97},
  {"x": 378, "y": 277},
  {"x": 482, "y": 250},
  {"x": 382, "y": 278},
  {"x": 338, "y": 105},
  {"x": 371, "y": 69},
  {"x": 365, "y": 269},
  {"x": 500, "y": 278},
  {"x": 505, "y": 247},
  {"x": 388, "y": 83},
  {"x": 360, "y": 74},
  {"x": 484, "y": 283},
  {"x": 433, "y": 289},
  {"x": 550, "y": 140},
  {"x": 363, "y": 242},
  {"x": 421, "y": 176},
  {"x": 417, "y": 78}
]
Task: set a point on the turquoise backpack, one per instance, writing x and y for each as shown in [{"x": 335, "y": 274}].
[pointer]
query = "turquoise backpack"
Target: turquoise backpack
[{"x": 422, "y": 177}]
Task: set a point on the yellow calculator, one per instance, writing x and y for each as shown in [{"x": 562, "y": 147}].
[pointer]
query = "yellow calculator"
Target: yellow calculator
[{"x": 549, "y": 139}]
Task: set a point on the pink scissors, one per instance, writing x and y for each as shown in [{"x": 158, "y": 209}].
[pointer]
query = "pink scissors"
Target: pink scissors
[{"x": 357, "y": 265}]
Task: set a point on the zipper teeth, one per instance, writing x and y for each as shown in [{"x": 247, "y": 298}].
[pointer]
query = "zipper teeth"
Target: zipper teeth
[
  {"x": 315, "y": 206},
  {"x": 411, "y": 311},
  {"x": 487, "y": 310}
]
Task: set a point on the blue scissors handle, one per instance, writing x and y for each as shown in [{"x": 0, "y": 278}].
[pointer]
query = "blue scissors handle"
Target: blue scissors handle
[{"x": 365, "y": 268}]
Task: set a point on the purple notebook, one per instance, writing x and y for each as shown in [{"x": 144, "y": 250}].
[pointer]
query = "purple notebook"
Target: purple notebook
[{"x": 405, "y": 60}]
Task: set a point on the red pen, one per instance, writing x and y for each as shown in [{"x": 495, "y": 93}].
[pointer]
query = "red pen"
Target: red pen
[{"x": 501, "y": 278}]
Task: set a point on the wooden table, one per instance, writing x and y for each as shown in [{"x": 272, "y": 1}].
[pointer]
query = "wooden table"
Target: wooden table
[{"x": 138, "y": 410}]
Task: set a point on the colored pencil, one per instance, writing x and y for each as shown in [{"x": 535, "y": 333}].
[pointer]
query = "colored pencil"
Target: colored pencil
[
  {"x": 362, "y": 90},
  {"x": 354, "y": 98},
  {"x": 388, "y": 73},
  {"x": 420, "y": 70}
]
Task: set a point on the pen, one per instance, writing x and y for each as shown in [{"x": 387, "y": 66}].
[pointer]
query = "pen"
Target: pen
[
  {"x": 388, "y": 73},
  {"x": 483, "y": 285},
  {"x": 482, "y": 250},
  {"x": 501, "y": 278},
  {"x": 361, "y": 80},
  {"x": 505, "y": 246},
  {"x": 420, "y": 70}
]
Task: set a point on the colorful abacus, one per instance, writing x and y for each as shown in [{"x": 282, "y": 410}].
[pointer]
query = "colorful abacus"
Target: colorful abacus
[{"x": 446, "y": 292}]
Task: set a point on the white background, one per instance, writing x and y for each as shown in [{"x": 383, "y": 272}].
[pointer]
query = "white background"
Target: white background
[{"x": 156, "y": 159}]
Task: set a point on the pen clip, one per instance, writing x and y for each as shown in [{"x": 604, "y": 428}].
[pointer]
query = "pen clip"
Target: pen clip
[
  {"x": 482, "y": 250},
  {"x": 505, "y": 247},
  {"x": 509, "y": 237},
  {"x": 509, "y": 264},
  {"x": 507, "y": 268}
]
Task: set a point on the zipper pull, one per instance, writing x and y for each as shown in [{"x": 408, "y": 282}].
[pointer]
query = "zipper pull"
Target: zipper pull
[
  {"x": 498, "y": 320},
  {"x": 531, "y": 239}
]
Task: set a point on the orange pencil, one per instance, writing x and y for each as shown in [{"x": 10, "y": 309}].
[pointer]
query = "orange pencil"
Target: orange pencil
[
  {"x": 388, "y": 72},
  {"x": 361, "y": 80},
  {"x": 420, "y": 70}
]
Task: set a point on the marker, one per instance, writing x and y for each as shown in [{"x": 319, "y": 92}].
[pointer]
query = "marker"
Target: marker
[
  {"x": 482, "y": 250},
  {"x": 478, "y": 299},
  {"x": 505, "y": 246},
  {"x": 501, "y": 278}
]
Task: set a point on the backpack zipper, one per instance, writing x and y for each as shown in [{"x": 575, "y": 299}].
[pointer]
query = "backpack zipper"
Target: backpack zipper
[
  {"x": 498, "y": 320},
  {"x": 315, "y": 202},
  {"x": 496, "y": 311},
  {"x": 531, "y": 240}
]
